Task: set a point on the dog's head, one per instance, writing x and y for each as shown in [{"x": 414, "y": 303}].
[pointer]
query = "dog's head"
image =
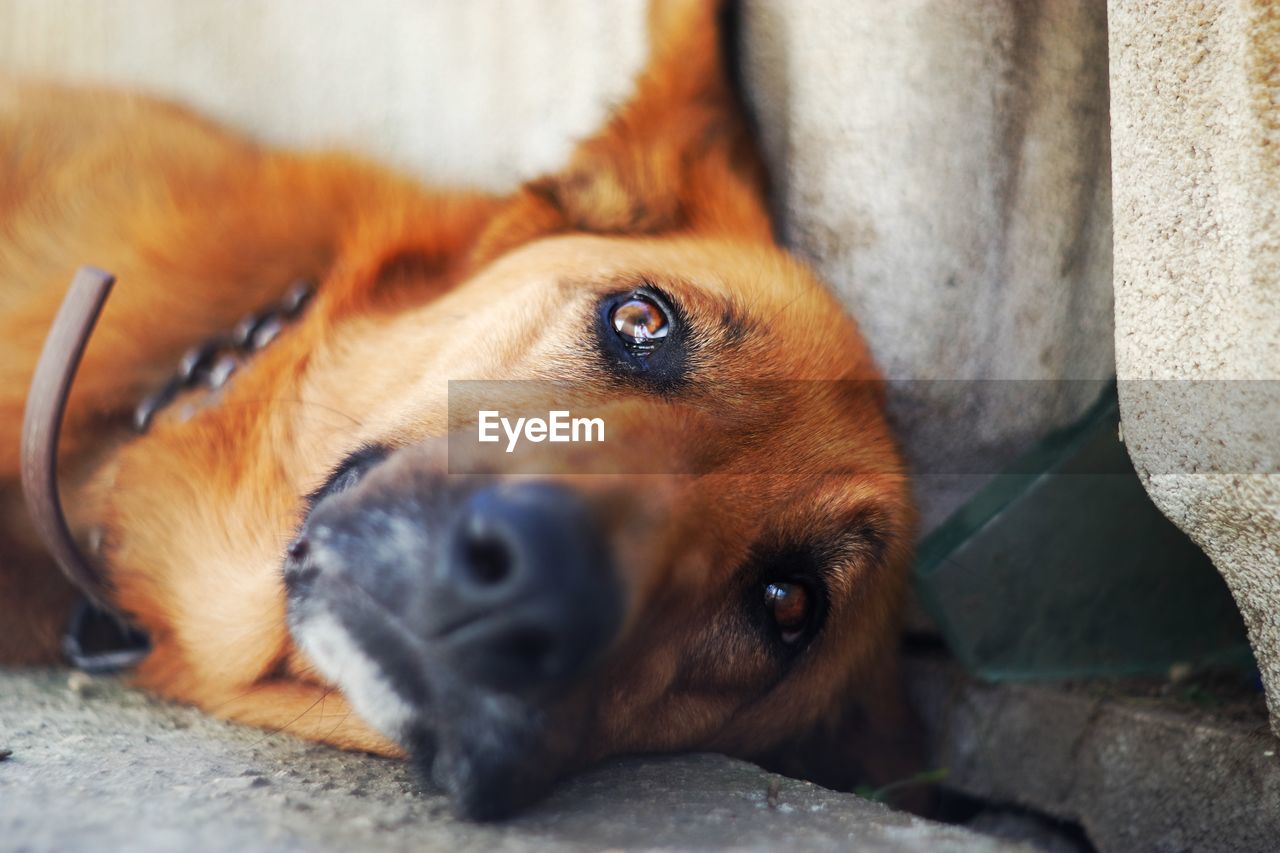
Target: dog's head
[
  {"x": 721, "y": 571},
  {"x": 710, "y": 575}
]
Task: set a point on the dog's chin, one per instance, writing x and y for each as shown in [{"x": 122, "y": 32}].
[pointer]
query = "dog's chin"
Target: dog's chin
[
  {"x": 488, "y": 752},
  {"x": 491, "y": 752}
]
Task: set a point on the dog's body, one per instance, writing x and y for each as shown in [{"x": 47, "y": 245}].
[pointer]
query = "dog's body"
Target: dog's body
[{"x": 799, "y": 500}]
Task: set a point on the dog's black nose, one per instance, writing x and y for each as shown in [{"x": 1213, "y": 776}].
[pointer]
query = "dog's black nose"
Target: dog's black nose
[{"x": 535, "y": 593}]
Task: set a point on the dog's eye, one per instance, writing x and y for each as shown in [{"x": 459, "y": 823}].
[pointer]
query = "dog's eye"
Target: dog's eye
[
  {"x": 642, "y": 337},
  {"x": 640, "y": 323},
  {"x": 790, "y": 606}
]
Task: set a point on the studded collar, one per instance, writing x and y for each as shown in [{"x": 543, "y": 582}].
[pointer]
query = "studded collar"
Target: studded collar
[
  {"x": 212, "y": 362},
  {"x": 100, "y": 637}
]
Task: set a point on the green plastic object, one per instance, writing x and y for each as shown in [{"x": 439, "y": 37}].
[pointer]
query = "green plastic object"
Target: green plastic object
[{"x": 1065, "y": 569}]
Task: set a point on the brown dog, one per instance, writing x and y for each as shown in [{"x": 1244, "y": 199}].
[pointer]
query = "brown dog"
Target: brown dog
[{"x": 722, "y": 573}]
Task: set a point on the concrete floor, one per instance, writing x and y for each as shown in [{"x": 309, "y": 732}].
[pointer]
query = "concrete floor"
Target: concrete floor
[
  {"x": 93, "y": 765},
  {"x": 1136, "y": 764}
]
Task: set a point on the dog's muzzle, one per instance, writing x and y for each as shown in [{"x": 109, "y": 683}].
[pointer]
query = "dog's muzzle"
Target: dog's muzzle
[{"x": 455, "y": 615}]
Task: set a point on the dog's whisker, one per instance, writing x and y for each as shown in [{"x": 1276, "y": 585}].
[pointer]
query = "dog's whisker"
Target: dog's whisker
[
  {"x": 270, "y": 732},
  {"x": 338, "y": 725},
  {"x": 773, "y": 318}
]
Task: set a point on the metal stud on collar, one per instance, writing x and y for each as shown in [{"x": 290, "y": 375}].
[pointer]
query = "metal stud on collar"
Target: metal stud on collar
[
  {"x": 96, "y": 618},
  {"x": 212, "y": 362}
]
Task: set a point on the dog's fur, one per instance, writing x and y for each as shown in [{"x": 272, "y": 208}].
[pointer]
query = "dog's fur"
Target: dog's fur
[{"x": 417, "y": 286}]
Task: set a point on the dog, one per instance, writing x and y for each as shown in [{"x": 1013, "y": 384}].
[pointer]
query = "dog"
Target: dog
[{"x": 293, "y": 530}]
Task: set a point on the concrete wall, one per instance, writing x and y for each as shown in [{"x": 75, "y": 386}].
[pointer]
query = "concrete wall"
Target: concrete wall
[
  {"x": 1196, "y": 139},
  {"x": 945, "y": 166},
  {"x": 484, "y": 92}
]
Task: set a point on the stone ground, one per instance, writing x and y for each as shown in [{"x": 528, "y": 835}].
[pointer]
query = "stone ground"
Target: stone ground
[
  {"x": 92, "y": 765},
  {"x": 1172, "y": 765},
  {"x": 1133, "y": 765}
]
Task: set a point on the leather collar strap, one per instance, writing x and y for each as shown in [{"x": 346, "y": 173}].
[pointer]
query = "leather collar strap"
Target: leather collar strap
[
  {"x": 100, "y": 637},
  {"x": 42, "y": 424}
]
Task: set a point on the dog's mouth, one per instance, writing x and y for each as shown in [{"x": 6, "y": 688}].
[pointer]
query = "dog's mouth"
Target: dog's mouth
[
  {"x": 492, "y": 751},
  {"x": 489, "y": 750},
  {"x": 462, "y": 623}
]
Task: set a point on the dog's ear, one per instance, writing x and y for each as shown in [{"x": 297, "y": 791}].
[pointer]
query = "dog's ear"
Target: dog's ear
[
  {"x": 678, "y": 157},
  {"x": 875, "y": 745}
]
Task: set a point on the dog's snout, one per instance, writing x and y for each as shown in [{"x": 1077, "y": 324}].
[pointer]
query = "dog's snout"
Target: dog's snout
[
  {"x": 530, "y": 573},
  {"x": 505, "y": 586}
]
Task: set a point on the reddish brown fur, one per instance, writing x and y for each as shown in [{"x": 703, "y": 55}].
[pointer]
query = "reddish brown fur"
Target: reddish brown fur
[{"x": 202, "y": 227}]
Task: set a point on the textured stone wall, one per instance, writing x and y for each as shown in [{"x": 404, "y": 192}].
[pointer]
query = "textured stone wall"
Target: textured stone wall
[
  {"x": 945, "y": 166},
  {"x": 483, "y": 91},
  {"x": 1196, "y": 137}
]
